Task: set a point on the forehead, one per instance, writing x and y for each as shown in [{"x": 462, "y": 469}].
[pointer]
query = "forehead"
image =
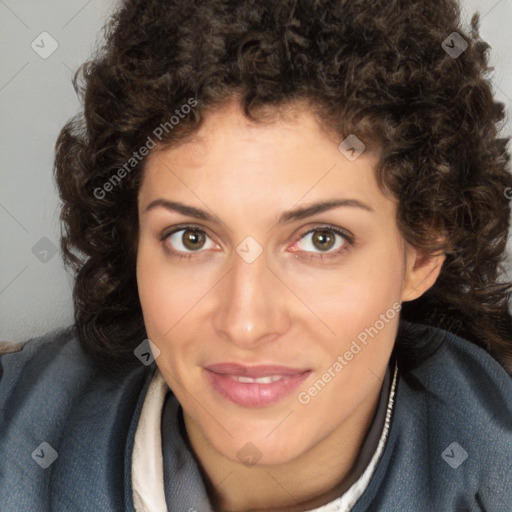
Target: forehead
[
  {"x": 289, "y": 155},
  {"x": 227, "y": 126}
]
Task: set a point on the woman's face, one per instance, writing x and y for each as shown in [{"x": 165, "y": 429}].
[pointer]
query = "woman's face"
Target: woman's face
[{"x": 237, "y": 278}]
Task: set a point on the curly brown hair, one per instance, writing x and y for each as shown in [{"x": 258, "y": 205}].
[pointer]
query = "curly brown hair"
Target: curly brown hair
[{"x": 375, "y": 68}]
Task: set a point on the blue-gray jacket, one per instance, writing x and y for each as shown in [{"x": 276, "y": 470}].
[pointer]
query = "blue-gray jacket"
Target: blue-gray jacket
[{"x": 449, "y": 447}]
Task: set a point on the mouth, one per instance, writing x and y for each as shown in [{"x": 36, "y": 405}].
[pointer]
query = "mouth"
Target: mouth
[{"x": 254, "y": 386}]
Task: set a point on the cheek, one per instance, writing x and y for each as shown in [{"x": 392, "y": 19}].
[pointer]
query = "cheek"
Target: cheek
[
  {"x": 154, "y": 285},
  {"x": 167, "y": 293},
  {"x": 358, "y": 303},
  {"x": 355, "y": 295}
]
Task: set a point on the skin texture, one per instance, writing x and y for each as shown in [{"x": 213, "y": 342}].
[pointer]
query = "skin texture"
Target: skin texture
[{"x": 283, "y": 308}]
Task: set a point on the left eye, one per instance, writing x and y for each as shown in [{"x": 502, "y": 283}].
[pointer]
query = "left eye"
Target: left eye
[{"x": 323, "y": 240}]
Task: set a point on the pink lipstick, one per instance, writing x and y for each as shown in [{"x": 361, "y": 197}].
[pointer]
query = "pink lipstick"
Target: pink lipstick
[{"x": 254, "y": 386}]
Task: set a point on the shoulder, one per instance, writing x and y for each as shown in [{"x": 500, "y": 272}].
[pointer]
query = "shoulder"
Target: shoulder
[
  {"x": 22, "y": 364},
  {"x": 57, "y": 354},
  {"x": 454, "y": 419},
  {"x": 52, "y": 373},
  {"x": 55, "y": 365},
  {"x": 462, "y": 377},
  {"x": 58, "y": 408},
  {"x": 46, "y": 363}
]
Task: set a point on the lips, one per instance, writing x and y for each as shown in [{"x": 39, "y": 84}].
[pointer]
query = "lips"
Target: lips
[
  {"x": 255, "y": 372},
  {"x": 254, "y": 386}
]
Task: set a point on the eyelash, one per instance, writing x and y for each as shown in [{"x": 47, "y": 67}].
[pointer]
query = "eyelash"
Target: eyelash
[{"x": 349, "y": 238}]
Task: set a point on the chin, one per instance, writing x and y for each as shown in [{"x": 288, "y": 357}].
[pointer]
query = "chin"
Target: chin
[{"x": 261, "y": 450}]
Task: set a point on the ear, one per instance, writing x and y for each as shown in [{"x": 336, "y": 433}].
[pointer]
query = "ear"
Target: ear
[{"x": 422, "y": 271}]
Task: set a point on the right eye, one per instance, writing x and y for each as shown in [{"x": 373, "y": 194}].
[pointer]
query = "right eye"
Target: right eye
[{"x": 187, "y": 240}]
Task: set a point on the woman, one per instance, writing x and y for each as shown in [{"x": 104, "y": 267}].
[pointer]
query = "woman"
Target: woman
[{"x": 288, "y": 222}]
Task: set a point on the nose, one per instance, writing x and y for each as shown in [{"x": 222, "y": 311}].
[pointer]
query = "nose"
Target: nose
[{"x": 251, "y": 304}]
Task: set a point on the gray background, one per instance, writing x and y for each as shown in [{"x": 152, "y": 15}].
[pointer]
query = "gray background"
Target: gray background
[{"x": 37, "y": 98}]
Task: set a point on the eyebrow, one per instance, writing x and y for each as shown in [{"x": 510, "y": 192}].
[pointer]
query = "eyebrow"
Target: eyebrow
[{"x": 285, "y": 218}]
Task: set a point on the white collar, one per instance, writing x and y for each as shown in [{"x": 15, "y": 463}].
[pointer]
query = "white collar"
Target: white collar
[{"x": 147, "y": 460}]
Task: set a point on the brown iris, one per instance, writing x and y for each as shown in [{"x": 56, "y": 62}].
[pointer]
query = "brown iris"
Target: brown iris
[
  {"x": 323, "y": 240},
  {"x": 193, "y": 239}
]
